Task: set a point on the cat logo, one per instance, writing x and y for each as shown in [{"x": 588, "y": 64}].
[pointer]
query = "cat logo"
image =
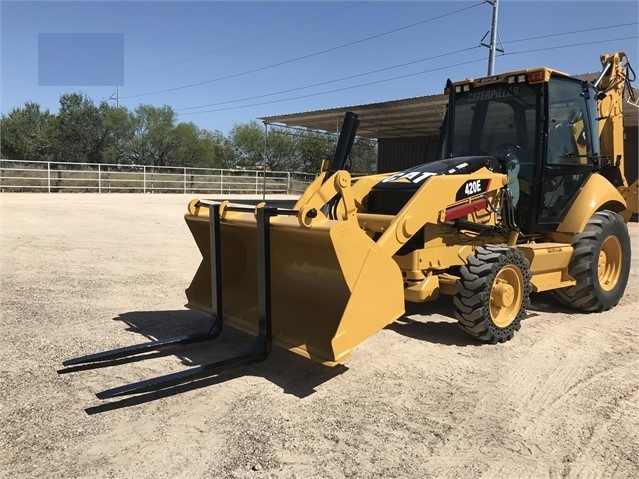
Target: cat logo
[{"x": 415, "y": 177}]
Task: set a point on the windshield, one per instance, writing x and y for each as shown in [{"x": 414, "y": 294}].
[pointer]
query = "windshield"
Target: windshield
[{"x": 489, "y": 117}]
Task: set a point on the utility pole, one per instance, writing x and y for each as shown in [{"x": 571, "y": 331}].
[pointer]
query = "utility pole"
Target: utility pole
[
  {"x": 117, "y": 96},
  {"x": 493, "y": 38}
]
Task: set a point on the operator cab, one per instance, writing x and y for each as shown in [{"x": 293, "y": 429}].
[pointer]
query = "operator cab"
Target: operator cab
[{"x": 540, "y": 124}]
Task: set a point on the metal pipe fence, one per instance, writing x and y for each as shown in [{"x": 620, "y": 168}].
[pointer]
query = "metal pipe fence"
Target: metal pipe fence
[{"x": 43, "y": 176}]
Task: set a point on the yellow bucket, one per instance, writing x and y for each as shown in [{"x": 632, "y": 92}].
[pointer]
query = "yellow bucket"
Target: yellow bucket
[{"x": 331, "y": 288}]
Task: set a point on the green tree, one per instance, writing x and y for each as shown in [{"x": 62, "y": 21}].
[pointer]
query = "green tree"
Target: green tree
[
  {"x": 27, "y": 133},
  {"x": 285, "y": 151},
  {"x": 281, "y": 151},
  {"x": 83, "y": 132},
  {"x": 193, "y": 146},
  {"x": 247, "y": 141},
  {"x": 363, "y": 156},
  {"x": 119, "y": 130},
  {"x": 78, "y": 133},
  {"x": 313, "y": 147},
  {"x": 223, "y": 154},
  {"x": 154, "y": 143}
]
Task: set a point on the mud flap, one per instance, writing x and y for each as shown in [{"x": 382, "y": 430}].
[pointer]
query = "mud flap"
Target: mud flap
[{"x": 331, "y": 287}]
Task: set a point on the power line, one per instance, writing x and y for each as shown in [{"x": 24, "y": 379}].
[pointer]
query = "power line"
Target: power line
[
  {"x": 290, "y": 90},
  {"x": 405, "y": 76},
  {"x": 303, "y": 57},
  {"x": 572, "y": 32},
  {"x": 245, "y": 42},
  {"x": 335, "y": 90},
  {"x": 557, "y": 47}
]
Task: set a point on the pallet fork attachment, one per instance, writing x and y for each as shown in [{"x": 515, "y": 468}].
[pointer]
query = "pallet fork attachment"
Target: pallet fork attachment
[{"x": 261, "y": 347}]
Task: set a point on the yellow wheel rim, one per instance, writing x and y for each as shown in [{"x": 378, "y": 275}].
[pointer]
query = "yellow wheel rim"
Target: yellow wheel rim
[
  {"x": 609, "y": 263},
  {"x": 505, "y": 296}
]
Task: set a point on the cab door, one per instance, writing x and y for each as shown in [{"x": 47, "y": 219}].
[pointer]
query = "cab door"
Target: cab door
[{"x": 570, "y": 150}]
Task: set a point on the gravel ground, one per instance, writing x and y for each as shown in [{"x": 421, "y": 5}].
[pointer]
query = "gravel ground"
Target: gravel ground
[{"x": 83, "y": 273}]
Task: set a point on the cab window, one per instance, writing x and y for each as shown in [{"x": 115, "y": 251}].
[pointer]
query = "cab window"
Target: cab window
[{"x": 568, "y": 141}]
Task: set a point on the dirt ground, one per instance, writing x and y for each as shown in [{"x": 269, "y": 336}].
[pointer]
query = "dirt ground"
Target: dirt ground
[{"x": 82, "y": 273}]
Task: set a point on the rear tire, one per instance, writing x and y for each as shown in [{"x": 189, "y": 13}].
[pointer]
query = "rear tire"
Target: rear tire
[
  {"x": 493, "y": 293},
  {"x": 600, "y": 264}
]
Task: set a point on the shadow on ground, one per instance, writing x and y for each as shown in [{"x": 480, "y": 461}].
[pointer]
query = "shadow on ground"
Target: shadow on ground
[
  {"x": 546, "y": 302},
  {"x": 433, "y": 322},
  {"x": 294, "y": 374}
]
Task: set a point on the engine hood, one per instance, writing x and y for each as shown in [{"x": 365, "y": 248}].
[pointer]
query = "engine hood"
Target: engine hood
[
  {"x": 391, "y": 194},
  {"x": 412, "y": 178}
]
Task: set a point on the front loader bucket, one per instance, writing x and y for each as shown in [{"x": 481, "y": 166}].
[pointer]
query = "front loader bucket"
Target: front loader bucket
[{"x": 330, "y": 287}]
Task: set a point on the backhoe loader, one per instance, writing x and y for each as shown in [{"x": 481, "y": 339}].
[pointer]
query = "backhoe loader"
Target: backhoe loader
[{"x": 528, "y": 194}]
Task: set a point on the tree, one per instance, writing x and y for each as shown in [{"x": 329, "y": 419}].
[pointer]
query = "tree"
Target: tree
[
  {"x": 281, "y": 151},
  {"x": 313, "y": 147},
  {"x": 154, "y": 143},
  {"x": 27, "y": 133},
  {"x": 78, "y": 133},
  {"x": 247, "y": 141},
  {"x": 363, "y": 156},
  {"x": 119, "y": 130},
  {"x": 83, "y": 132},
  {"x": 223, "y": 154},
  {"x": 193, "y": 146}
]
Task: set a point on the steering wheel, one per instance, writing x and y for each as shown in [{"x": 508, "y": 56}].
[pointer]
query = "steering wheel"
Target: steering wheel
[{"x": 510, "y": 154}]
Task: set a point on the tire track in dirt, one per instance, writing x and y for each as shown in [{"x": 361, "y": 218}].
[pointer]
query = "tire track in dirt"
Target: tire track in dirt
[
  {"x": 574, "y": 399},
  {"x": 616, "y": 411}
]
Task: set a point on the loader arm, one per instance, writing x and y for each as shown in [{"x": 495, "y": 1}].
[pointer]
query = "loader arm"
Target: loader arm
[{"x": 437, "y": 201}]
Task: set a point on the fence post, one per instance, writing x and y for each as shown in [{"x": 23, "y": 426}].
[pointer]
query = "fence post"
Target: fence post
[
  {"x": 144, "y": 179},
  {"x": 288, "y": 182},
  {"x": 184, "y": 180},
  {"x": 257, "y": 181},
  {"x": 221, "y": 181},
  {"x": 48, "y": 177},
  {"x": 99, "y": 178}
]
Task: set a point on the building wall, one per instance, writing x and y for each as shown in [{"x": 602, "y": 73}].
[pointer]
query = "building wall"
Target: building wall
[{"x": 396, "y": 154}]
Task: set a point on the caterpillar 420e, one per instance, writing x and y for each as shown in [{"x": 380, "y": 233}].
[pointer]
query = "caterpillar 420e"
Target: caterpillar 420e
[{"x": 528, "y": 194}]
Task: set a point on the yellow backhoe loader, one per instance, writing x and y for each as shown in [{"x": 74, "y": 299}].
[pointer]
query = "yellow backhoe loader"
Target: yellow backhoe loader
[{"x": 528, "y": 194}]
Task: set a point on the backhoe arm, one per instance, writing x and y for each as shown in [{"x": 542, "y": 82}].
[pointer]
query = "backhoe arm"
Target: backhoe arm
[{"x": 612, "y": 82}]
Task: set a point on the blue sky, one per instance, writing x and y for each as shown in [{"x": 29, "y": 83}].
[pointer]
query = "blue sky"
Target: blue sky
[{"x": 261, "y": 58}]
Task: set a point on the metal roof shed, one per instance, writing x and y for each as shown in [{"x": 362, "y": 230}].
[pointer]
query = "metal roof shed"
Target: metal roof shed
[{"x": 407, "y": 130}]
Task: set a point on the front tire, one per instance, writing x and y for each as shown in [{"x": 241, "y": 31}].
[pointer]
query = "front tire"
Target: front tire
[
  {"x": 600, "y": 264},
  {"x": 493, "y": 293}
]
